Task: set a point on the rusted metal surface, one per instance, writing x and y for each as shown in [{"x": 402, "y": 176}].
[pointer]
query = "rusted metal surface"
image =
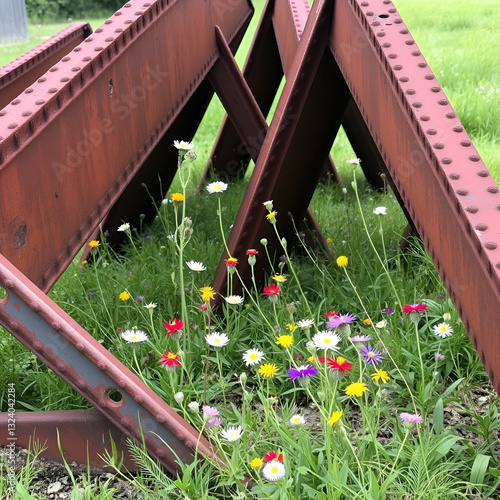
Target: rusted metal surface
[
  {"x": 271, "y": 54},
  {"x": 448, "y": 191},
  {"x": 301, "y": 134},
  {"x": 73, "y": 354},
  {"x": 104, "y": 105},
  {"x": 84, "y": 436},
  {"x": 18, "y": 75}
]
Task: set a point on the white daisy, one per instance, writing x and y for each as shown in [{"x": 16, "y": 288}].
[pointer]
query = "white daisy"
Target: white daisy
[
  {"x": 232, "y": 433},
  {"x": 183, "y": 145},
  {"x": 132, "y": 336},
  {"x": 447, "y": 316},
  {"x": 380, "y": 211},
  {"x": 252, "y": 357},
  {"x": 151, "y": 305},
  {"x": 217, "y": 339},
  {"x": 274, "y": 471},
  {"x": 124, "y": 227},
  {"x": 381, "y": 324},
  {"x": 297, "y": 420},
  {"x": 304, "y": 323},
  {"x": 354, "y": 161},
  {"x": 217, "y": 187},
  {"x": 165, "y": 201},
  {"x": 234, "y": 299},
  {"x": 326, "y": 339},
  {"x": 195, "y": 266},
  {"x": 443, "y": 330}
]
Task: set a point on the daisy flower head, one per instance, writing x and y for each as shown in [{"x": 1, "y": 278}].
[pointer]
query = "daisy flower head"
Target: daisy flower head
[
  {"x": 370, "y": 355},
  {"x": 124, "y": 227},
  {"x": 340, "y": 319},
  {"x": 326, "y": 339},
  {"x": 124, "y": 296},
  {"x": 177, "y": 197},
  {"x": 297, "y": 420},
  {"x": 305, "y": 323},
  {"x": 232, "y": 433},
  {"x": 273, "y": 471},
  {"x": 408, "y": 419},
  {"x": 256, "y": 463},
  {"x": 216, "y": 187},
  {"x": 269, "y": 205},
  {"x": 380, "y": 211},
  {"x": 133, "y": 336},
  {"x": 94, "y": 244},
  {"x": 252, "y": 356},
  {"x": 174, "y": 328},
  {"x": 195, "y": 266},
  {"x": 285, "y": 340},
  {"x": 231, "y": 261},
  {"x": 170, "y": 360},
  {"x": 354, "y": 161},
  {"x": 183, "y": 146},
  {"x": 443, "y": 330},
  {"x": 150, "y": 306},
  {"x": 381, "y": 324},
  {"x": 268, "y": 370},
  {"x": 356, "y": 389},
  {"x": 380, "y": 375},
  {"x": 361, "y": 338},
  {"x": 302, "y": 373},
  {"x": 216, "y": 339},
  {"x": 342, "y": 261},
  {"x": 234, "y": 299},
  {"x": 207, "y": 293},
  {"x": 336, "y": 415}
]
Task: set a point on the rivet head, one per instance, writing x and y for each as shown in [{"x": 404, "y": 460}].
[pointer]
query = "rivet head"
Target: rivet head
[
  {"x": 492, "y": 189},
  {"x": 65, "y": 58},
  {"x": 450, "y": 115},
  {"x": 52, "y": 90},
  {"x": 454, "y": 176},
  {"x": 108, "y": 21},
  {"x": 77, "y": 49},
  {"x": 97, "y": 49},
  {"x": 80, "y": 347},
  {"x": 160, "y": 419},
  {"x": 118, "y": 30},
  {"x": 435, "y": 89},
  {"x": 447, "y": 161},
  {"x": 474, "y": 158},
  {"x": 54, "y": 68},
  {"x": 430, "y": 76},
  {"x": 458, "y": 129},
  {"x": 404, "y": 79},
  {"x": 392, "y": 56},
  {"x": 75, "y": 68},
  {"x": 431, "y": 131},
  {"x": 15, "y": 102},
  {"x": 417, "y": 104},
  {"x": 12, "y": 125},
  {"x": 381, "y": 33},
  {"x": 138, "y": 399},
  {"x": 472, "y": 209},
  {"x": 481, "y": 226},
  {"x": 41, "y": 80},
  {"x": 386, "y": 45},
  {"x": 64, "y": 79},
  {"x": 398, "y": 20},
  {"x": 87, "y": 58},
  {"x": 61, "y": 366},
  {"x": 109, "y": 39},
  {"x": 26, "y": 113},
  {"x": 483, "y": 173},
  {"x": 410, "y": 42},
  {"x": 370, "y": 13},
  {"x": 438, "y": 145},
  {"x": 422, "y": 65},
  {"x": 101, "y": 366},
  {"x": 411, "y": 92},
  {"x": 490, "y": 245},
  {"x": 375, "y": 23},
  {"x": 462, "y": 192},
  {"x": 416, "y": 53},
  {"x": 443, "y": 102},
  {"x": 392, "y": 10},
  {"x": 404, "y": 31},
  {"x": 98, "y": 30},
  {"x": 3, "y": 112},
  {"x": 465, "y": 144},
  {"x": 425, "y": 118},
  {"x": 364, "y": 4}
]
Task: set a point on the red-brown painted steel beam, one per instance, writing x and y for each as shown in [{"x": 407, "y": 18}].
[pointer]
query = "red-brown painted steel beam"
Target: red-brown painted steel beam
[
  {"x": 445, "y": 186},
  {"x": 18, "y": 75},
  {"x": 91, "y": 122},
  {"x": 288, "y": 168},
  {"x": 84, "y": 435}
]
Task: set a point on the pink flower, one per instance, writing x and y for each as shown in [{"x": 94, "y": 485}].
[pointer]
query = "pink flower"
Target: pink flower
[
  {"x": 414, "y": 307},
  {"x": 410, "y": 418}
]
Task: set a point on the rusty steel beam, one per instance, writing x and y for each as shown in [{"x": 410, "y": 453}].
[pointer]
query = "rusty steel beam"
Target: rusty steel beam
[
  {"x": 290, "y": 161},
  {"x": 103, "y": 105},
  {"x": 73, "y": 354},
  {"x": 84, "y": 435},
  {"x": 448, "y": 191},
  {"x": 16, "y": 76}
]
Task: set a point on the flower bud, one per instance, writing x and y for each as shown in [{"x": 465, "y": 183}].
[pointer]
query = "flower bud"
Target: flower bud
[{"x": 179, "y": 397}]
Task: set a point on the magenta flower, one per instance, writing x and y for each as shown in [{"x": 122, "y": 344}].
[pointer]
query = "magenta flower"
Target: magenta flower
[
  {"x": 388, "y": 310},
  {"x": 343, "y": 319},
  {"x": 371, "y": 355},
  {"x": 410, "y": 418},
  {"x": 302, "y": 371},
  {"x": 361, "y": 338},
  {"x": 214, "y": 421},
  {"x": 210, "y": 411}
]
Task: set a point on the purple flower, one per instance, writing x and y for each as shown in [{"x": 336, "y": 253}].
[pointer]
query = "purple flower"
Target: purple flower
[
  {"x": 343, "y": 319},
  {"x": 388, "y": 310},
  {"x": 361, "y": 338},
  {"x": 210, "y": 411},
  {"x": 441, "y": 296},
  {"x": 140, "y": 298},
  {"x": 214, "y": 421},
  {"x": 302, "y": 371},
  {"x": 106, "y": 233},
  {"x": 438, "y": 356},
  {"x": 410, "y": 418},
  {"x": 147, "y": 237},
  {"x": 371, "y": 355},
  {"x": 90, "y": 293}
]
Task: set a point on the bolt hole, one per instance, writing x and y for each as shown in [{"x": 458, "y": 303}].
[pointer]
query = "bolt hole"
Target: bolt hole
[
  {"x": 383, "y": 16},
  {"x": 115, "y": 396},
  {"x": 3, "y": 293}
]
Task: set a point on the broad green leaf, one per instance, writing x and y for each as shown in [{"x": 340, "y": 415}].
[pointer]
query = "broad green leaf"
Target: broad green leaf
[
  {"x": 437, "y": 417},
  {"x": 479, "y": 468}
]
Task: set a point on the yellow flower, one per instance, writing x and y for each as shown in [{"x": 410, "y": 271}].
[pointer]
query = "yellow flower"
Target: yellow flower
[
  {"x": 329, "y": 240},
  {"x": 178, "y": 197},
  {"x": 94, "y": 244},
  {"x": 279, "y": 278},
  {"x": 271, "y": 216},
  {"x": 268, "y": 370},
  {"x": 342, "y": 261},
  {"x": 207, "y": 293},
  {"x": 380, "y": 375},
  {"x": 367, "y": 322},
  {"x": 84, "y": 262},
  {"x": 310, "y": 359},
  {"x": 256, "y": 462},
  {"x": 124, "y": 296},
  {"x": 291, "y": 327},
  {"x": 285, "y": 340},
  {"x": 335, "y": 417},
  {"x": 356, "y": 389}
]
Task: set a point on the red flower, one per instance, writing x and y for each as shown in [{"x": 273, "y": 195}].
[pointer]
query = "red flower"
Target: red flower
[
  {"x": 414, "y": 307},
  {"x": 272, "y": 290},
  {"x": 272, "y": 456},
  {"x": 322, "y": 359},
  {"x": 252, "y": 251},
  {"x": 176, "y": 325},
  {"x": 340, "y": 364},
  {"x": 231, "y": 262},
  {"x": 331, "y": 314},
  {"x": 170, "y": 359},
  {"x": 203, "y": 307}
]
